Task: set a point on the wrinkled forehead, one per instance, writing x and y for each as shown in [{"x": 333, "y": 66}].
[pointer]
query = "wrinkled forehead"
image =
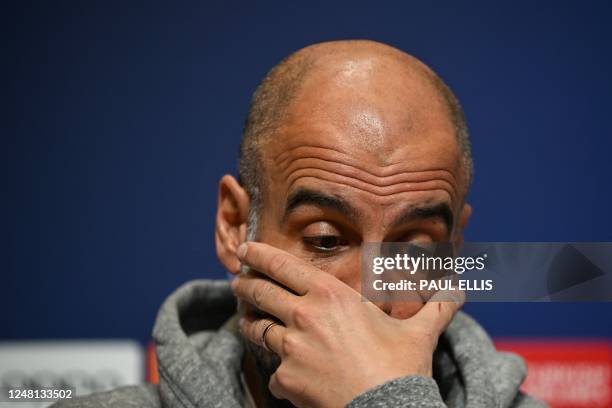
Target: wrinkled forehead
[
  {"x": 379, "y": 133},
  {"x": 384, "y": 166}
]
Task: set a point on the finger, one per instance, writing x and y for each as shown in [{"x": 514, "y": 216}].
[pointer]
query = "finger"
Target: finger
[
  {"x": 439, "y": 310},
  {"x": 266, "y": 296},
  {"x": 253, "y": 330},
  {"x": 279, "y": 265}
]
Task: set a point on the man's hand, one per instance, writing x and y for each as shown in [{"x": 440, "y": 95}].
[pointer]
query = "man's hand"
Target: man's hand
[{"x": 332, "y": 345}]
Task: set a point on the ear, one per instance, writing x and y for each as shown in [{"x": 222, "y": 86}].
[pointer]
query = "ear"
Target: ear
[
  {"x": 466, "y": 213},
  {"x": 231, "y": 221}
]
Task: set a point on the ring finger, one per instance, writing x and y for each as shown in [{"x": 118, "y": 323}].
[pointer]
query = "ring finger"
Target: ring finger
[{"x": 266, "y": 330}]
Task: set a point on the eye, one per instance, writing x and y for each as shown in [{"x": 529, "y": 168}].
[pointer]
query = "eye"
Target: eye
[{"x": 325, "y": 243}]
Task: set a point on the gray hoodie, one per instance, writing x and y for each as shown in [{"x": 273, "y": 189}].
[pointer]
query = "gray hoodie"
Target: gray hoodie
[{"x": 199, "y": 359}]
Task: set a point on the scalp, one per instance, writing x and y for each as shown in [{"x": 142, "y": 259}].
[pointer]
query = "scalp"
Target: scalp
[{"x": 328, "y": 78}]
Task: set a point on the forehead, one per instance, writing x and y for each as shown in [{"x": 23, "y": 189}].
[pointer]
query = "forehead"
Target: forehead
[
  {"x": 347, "y": 165},
  {"x": 366, "y": 128}
]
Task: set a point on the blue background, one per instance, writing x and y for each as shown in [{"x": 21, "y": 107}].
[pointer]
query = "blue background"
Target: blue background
[{"x": 122, "y": 116}]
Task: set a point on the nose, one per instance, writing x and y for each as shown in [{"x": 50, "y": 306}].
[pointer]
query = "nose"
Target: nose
[{"x": 350, "y": 274}]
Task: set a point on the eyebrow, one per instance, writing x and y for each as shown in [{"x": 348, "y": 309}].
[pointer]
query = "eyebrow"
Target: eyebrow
[
  {"x": 311, "y": 197},
  {"x": 305, "y": 196},
  {"x": 440, "y": 210}
]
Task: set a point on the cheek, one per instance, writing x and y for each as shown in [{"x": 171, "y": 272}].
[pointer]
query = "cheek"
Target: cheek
[{"x": 346, "y": 267}]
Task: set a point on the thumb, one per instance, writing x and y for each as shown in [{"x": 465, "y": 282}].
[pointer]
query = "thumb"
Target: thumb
[{"x": 439, "y": 310}]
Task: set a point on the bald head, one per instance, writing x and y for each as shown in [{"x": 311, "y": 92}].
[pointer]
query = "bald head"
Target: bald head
[
  {"x": 346, "y": 142},
  {"x": 379, "y": 84}
]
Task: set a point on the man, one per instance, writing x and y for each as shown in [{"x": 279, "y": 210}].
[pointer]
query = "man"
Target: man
[{"x": 345, "y": 142}]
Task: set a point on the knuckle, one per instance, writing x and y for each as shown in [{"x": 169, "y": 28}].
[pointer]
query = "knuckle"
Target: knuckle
[
  {"x": 277, "y": 263},
  {"x": 257, "y": 298},
  {"x": 329, "y": 292},
  {"x": 289, "y": 344},
  {"x": 274, "y": 387},
  {"x": 262, "y": 291},
  {"x": 283, "y": 379},
  {"x": 267, "y": 288},
  {"x": 322, "y": 288},
  {"x": 302, "y": 317}
]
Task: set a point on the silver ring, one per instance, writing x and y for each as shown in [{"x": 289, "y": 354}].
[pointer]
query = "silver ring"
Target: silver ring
[{"x": 263, "y": 336}]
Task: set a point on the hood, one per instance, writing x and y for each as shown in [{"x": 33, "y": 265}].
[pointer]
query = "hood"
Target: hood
[
  {"x": 199, "y": 355},
  {"x": 198, "y": 360}
]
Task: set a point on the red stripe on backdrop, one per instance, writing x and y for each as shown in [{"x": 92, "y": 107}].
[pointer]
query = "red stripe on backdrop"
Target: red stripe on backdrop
[
  {"x": 151, "y": 358},
  {"x": 572, "y": 373}
]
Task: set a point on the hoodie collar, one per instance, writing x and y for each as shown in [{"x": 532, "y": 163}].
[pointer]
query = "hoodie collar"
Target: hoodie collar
[{"x": 200, "y": 355}]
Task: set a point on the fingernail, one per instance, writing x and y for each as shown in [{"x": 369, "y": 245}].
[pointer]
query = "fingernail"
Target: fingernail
[
  {"x": 242, "y": 250},
  {"x": 241, "y": 323}
]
